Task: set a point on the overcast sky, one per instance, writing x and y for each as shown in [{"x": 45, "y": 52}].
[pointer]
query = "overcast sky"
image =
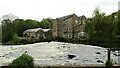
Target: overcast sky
[{"x": 38, "y": 9}]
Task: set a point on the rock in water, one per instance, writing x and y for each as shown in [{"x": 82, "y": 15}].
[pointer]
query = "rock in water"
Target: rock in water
[
  {"x": 100, "y": 61},
  {"x": 98, "y": 53},
  {"x": 70, "y": 56}
]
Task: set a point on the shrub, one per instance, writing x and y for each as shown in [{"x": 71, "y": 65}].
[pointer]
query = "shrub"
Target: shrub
[
  {"x": 24, "y": 61},
  {"x": 109, "y": 64},
  {"x": 16, "y": 39}
]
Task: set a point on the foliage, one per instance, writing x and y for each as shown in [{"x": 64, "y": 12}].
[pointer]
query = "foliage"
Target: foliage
[
  {"x": 89, "y": 28},
  {"x": 16, "y": 39},
  {"x": 46, "y": 23},
  {"x": 24, "y": 61},
  {"x": 103, "y": 30},
  {"x": 7, "y": 30},
  {"x": 11, "y": 30},
  {"x": 0, "y": 34},
  {"x": 70, "y": 40},
  {"x": 100, "y": 28},
  {"x": 98, "y": 20},
  {"x": 109, "y": 64},
  {"x": 118, "y": 23}
]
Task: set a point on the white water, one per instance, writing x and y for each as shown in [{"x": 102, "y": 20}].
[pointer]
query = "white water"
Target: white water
[{"x": 55, "y": 53}]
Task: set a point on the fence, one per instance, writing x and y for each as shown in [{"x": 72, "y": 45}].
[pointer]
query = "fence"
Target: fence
[{"x": 109, "y": 54}]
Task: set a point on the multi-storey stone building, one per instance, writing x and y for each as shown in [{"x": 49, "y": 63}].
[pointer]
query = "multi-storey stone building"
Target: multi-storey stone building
[{"x": 68, "y": 26}]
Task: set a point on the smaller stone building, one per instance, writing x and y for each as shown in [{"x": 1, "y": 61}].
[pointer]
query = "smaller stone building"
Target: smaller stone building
[
  {"x": 47, "y": 34},
  {"x": 37, "y": 34}
]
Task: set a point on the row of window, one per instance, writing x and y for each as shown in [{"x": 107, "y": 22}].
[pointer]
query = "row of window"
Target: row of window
[
  {"x": 68, "y": 21},
  {"x": 67, "y": 35},
  {"x": 67, "y": 29}
]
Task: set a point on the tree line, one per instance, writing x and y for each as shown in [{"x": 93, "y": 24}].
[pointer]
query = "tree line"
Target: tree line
[
  {"x": 104, "y": 30},
  {"x": 101, "y": 29},
  {"x": 11, "y": 30}
]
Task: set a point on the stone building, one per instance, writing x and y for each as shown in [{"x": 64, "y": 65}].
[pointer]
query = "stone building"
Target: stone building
[
  {"x": 37, "y": 34},
  {"x": 47, "y": 34},
  {"x": 68, "y": 26}
]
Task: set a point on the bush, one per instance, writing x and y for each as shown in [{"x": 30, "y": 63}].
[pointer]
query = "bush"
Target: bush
[
  {"x": 16, "y": 39},
  {"x": 24, "y": 61},
  {"x": 109, "y": 64}
]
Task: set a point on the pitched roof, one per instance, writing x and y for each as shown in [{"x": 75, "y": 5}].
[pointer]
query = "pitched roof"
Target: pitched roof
[
  {"x": 66, "y": 17},
  {"x": 45, "y": 30},
  {"x": 36, "y": 29},
  {"x": 32, "y": 30},
  {"x": 81, "y": 17}
]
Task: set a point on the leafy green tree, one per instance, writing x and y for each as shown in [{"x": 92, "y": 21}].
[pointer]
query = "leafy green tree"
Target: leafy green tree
[
  {"x": 94, "y": 25},
  {"x": 100, "y": 28},
  {"x": 19, "y": 26},
  {"x": 118, "y": 24},
  {"x": 46, "y": 23},
  {"x": 31, "y": 23},
  {"x": 0, "y": 34},
  {"x": 97, "y": 20},
  {"x": 16, "y": 39},
  {"x": 108, "y": 27},
  {"x": 89, "y": 28},
  {"x": 7, "y": 30},
  {"x": 24, "y": 61},
  {"x": 50, "y": 21}
]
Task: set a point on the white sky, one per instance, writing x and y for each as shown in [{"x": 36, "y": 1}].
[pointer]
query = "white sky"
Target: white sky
[{"x": 38, "y": 9}]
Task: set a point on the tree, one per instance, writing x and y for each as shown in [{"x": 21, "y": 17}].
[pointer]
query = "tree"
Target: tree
[
  {"x": 19, "y": 26},
  {"x": 46, "y": 23},
  {"x": 97, "y": 20},
  {"x": 7, "y": 30},
  {"x": 31, "y": 23},
  {"x": 89, "y": 28},
  {"x": 24, "y": 61},
  {"x": 118, "y": 24},
  {"x": 16, "y": 39},
  {"x": 0, "y": 34},
  {"x": 108, "y": 27}
]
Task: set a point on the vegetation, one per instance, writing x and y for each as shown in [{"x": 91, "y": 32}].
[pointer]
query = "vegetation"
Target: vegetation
[
  {"x": 103, "y": 30},
  {"x": 0, "y": 34},
  {"x": 24, "y": 61},
  {"x": 109, "y": 64},
  {"x": 13, "y": 30},
  {"x": 70, "y": 40},
  {"x": 16, "y": 39}
]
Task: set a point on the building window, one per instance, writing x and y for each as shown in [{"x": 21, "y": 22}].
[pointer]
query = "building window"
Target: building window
[
  {"x": 25, "y": 34},
  {"x": 69, "y": 29},
  {"x": 76, "y": 21},
  {"x": 69, "y": 36},
  {"x": 32, "y": 36},
  {"x": 63, "y": 35},
  {"x": 65, "y": 27}
]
